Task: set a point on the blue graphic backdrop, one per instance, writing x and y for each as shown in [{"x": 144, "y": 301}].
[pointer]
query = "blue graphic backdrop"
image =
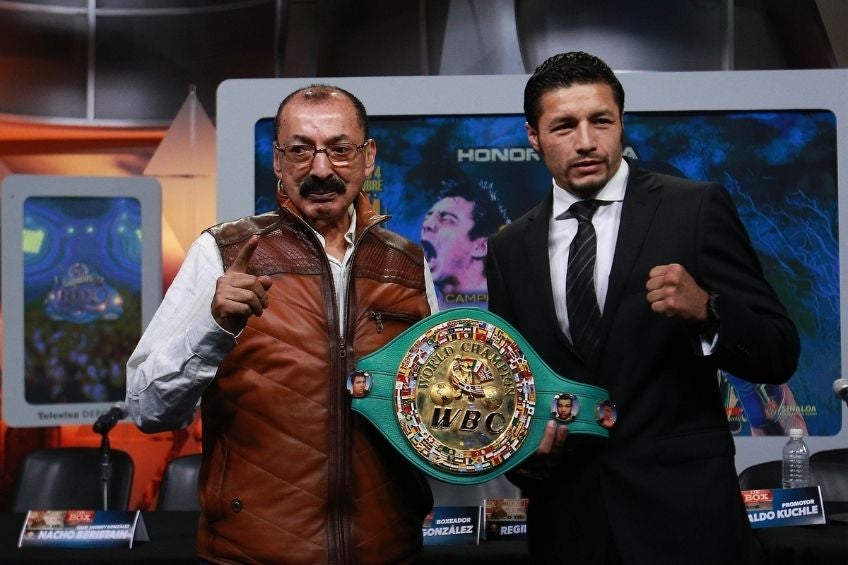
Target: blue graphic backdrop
[
  {"x": 82, "y": 287},
  {"x": 780, "y": 168}
]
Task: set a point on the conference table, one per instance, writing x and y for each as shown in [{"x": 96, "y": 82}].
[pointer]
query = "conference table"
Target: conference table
[{"x": 172, "y": 538}]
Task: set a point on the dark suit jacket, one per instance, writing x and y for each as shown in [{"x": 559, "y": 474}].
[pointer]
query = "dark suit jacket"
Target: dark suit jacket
[{"x": 663, "y": 489}]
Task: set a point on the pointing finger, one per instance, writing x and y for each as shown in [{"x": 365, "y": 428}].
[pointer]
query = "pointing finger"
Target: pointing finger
[{"x": 243, "y": 258}]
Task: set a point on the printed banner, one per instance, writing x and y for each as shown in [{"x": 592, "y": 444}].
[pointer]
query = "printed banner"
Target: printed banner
[{"x": 449, "y": 182}]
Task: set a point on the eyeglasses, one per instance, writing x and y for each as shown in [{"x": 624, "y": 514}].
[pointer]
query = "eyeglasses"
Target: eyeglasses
[{"x": 339, "y": 154}]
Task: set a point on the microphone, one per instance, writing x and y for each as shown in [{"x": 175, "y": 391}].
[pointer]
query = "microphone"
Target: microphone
[
  {"x": 840, "y": 389},
  {"x": 107, "y": 421}
]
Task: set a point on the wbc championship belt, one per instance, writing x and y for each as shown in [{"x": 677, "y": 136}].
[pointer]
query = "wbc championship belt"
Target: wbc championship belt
[{"x": 463, "y": 396}]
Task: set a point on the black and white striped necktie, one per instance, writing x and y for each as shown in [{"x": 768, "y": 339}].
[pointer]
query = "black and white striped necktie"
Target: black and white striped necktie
[{"x": 584, "y": 315}]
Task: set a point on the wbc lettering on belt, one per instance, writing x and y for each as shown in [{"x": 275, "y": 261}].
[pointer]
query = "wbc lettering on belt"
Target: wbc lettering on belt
[{"x": 464, "y": 395}]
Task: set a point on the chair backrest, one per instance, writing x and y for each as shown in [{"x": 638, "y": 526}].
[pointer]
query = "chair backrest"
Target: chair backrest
[
  {"x": 69, "y": 478},
  {"x": 832, "y": 478},
  {"x": 831, "y": 456},
  {"x": 762, "y": 475},
  {"x": 178, "y": 489}
]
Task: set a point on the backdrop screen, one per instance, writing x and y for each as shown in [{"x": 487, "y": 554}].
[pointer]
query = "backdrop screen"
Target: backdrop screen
[
  {"x": 82, "y": 297},
  {"x": 779, "y": 166},
  {"x": 81, "y": 277}
]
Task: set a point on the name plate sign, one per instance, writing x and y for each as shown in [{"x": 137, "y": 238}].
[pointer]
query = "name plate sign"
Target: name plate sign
[
  {"x": 768, "y": 508},
  {"x": 505, "y": 518},
  {"x": 82, "y": 528},
  {"x": 450, "y": 525}
]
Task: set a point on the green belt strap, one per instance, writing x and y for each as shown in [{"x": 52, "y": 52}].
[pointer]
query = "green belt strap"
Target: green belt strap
[{"x": 464, "y": 397}]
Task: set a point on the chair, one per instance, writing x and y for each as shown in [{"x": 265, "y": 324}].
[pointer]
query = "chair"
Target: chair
[
  {"x": 178, "y": 489},
  {"x": 69, "y": 478},
  {"x": 830, "y": 456},
  {"x": 832, "y": 478},
  {"x": 762, "y": 476}
]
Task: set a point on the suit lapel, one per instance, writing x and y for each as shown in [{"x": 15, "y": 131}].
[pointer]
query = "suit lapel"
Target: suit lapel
[
  {"x": 641, "y": 199},
  {"x": 536, "y": 249}
]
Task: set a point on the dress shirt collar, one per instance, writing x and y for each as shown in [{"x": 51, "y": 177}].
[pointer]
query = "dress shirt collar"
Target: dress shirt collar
[{"x": 613, "y": 191}]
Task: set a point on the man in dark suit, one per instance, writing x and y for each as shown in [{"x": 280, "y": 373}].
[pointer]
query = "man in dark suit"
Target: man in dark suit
[{"x": 680, "y": 294}]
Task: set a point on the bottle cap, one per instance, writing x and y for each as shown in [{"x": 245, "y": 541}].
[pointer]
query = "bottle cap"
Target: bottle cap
[{"x": 796, "y": 433}]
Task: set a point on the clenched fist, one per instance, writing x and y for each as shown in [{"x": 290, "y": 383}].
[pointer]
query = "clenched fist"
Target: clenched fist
[{"x": 673, "y": 292}]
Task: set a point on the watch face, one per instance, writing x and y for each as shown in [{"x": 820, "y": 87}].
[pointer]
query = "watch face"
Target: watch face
[
  {"x": 712, "y": 309},
  {"x": 464, "y": 396}
]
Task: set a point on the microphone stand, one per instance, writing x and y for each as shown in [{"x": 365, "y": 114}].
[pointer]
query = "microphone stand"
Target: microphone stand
[{"x": 105, "y": 468}]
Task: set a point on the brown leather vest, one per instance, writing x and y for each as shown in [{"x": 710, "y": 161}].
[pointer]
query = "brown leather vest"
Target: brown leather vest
[{"x": 290, "y": 474}]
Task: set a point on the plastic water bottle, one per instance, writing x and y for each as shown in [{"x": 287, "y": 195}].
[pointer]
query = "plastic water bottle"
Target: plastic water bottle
[{"x": 796, "y": 461}]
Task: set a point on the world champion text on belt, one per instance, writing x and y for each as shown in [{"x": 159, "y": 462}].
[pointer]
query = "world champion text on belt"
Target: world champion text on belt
[{"x": 457, "y": 395}]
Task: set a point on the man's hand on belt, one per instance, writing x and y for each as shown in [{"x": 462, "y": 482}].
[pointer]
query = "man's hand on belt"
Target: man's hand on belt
[{"x": 552, "y": 441}]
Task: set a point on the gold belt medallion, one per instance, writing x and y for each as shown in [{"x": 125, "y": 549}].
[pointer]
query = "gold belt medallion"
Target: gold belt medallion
[{"x": 464, "y": 396}]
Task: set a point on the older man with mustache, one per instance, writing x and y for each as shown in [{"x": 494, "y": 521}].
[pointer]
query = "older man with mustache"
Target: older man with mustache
[{"x": 264, "y": 322}]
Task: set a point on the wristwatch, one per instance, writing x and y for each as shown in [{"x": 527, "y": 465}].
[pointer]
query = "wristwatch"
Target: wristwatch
[{"x": 713, "y": 316}]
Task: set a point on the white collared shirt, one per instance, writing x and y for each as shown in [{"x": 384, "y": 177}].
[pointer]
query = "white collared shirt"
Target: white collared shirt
[
  {"x": 563, "y": 228},
  {"x": 341, "y": 269}
]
